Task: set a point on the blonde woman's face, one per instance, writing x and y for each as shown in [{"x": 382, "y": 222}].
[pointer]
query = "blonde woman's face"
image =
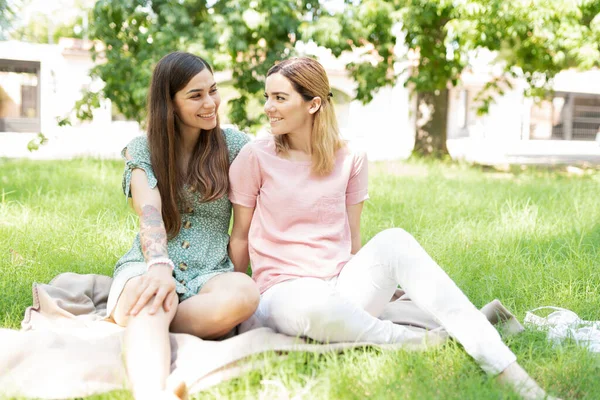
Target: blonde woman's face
[{"x": 288, "y": 112}]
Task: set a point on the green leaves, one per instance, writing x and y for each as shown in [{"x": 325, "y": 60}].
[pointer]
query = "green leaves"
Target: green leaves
[
  {"x": 35, "y": 143},
  {"x": 136, "y": 34},
  {"x": 435, "y": 39},
  {"x": 245, "y": 36},
  {"x": 533, "y": 40}
]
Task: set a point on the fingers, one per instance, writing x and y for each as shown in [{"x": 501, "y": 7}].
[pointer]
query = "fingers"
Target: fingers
[
  {"x": 146, "y": 295},
  {"x": 169, "y": 300},
  {"x": 159, "y": 298},
  {"x": 139, "y": 289}
]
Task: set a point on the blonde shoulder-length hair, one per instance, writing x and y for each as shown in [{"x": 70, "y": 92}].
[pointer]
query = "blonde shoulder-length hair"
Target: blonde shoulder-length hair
[{"x": 309, "y": 79}]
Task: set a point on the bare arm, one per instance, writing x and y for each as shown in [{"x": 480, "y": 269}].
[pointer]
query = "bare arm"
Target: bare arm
[
  {"x": 147, "y": 205},
  {"x": 354, "y": 213},
  {"x": 153, "y": 235},
  {"x": 238, "y": 243},
  {"x": 153, "y": 238}
]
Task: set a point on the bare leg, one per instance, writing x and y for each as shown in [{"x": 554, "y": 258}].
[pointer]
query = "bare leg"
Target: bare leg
[
  {"x": 146, "y": 345},
  {"x": 223, "y": 302}
]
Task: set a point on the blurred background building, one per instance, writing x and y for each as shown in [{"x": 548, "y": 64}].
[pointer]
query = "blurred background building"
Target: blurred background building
[{"x": 40, "y": 84}]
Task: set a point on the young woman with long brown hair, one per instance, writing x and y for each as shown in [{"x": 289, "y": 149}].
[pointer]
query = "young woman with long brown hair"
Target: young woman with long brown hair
[
  {"x": 298, "y": 197},
  {"x": 178, "y": 276}
]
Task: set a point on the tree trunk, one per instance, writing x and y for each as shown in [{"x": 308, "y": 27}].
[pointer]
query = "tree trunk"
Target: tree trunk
[{"x": 432, "y": 123}]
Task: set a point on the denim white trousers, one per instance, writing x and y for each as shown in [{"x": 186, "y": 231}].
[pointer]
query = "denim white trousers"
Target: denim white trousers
[{"x": 345, "y": 308}]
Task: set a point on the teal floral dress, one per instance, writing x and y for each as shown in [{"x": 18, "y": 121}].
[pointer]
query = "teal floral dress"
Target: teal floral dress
[{"x": 199, "y": 251}]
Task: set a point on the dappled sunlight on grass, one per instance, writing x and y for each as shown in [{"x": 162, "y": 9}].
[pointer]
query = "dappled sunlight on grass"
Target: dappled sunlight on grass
[
  {"x": 58, "y": 217},
  {"x": 509, "y": 238},
  {"x": 529, "y": 238},
  {"x": 521, "y": 218}
]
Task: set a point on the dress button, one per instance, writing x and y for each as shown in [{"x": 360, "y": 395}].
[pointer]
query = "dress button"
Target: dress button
[
  {"x": 185, "y": 244},
  {"x": 189, "y": 210},
  {"x": 182, "y": 281},
  {"x": 187, "y": 225},
  {"x": 192, "y": 189},
  {"x": 182, "y": 266}
]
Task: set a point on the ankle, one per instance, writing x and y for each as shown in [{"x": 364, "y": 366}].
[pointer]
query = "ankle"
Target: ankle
[{"x": 519, "y": 380}]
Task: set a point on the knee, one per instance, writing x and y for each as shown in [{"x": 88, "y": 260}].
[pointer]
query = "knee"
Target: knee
[
  {"x": 394, "y": 236},
  {"x": 126, "y": 301},
  {"x": 396, "y": 240},
  {"x": 245, "y": 296},
  {"x": 129, "y": 298},
  {"x": 239, "y": 303}
]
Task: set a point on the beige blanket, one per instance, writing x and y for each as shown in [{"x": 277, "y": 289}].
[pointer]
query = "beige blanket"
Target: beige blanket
[{"x": 67, "y": 349}]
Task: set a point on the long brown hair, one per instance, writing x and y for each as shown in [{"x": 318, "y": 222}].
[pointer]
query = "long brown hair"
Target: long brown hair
[
  {"x": 208, "y": 167},
  {"x": 309, "y": 79}
]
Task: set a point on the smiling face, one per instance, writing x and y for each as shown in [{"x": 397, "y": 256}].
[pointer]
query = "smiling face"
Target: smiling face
[
  {"x": 197, "y": 103},
  {"x": 287, "y": 110}
]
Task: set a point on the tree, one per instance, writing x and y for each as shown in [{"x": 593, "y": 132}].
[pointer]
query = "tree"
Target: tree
[
  {"x": 534, "y": 40},
  {"x": 245, "y": 36},
  {"x": 59, "y": 18},
  {"x": 41, "y": 29},
  {"x": 7, "y": 13}
]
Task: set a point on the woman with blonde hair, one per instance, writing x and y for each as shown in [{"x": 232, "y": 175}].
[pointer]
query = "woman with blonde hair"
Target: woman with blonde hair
[
  {"x": 178, "y": 276},
  {"x": 297, "y": 197}
]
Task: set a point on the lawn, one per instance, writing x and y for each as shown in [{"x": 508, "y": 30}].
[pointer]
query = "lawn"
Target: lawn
[{"x": 529, "y": 238}]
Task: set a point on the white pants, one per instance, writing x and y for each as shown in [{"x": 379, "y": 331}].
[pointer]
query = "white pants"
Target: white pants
[{"x": 345, "y": 308}]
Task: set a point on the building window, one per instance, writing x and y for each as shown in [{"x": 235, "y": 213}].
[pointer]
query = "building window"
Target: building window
[
  {"x": 576, "y": 116},
  {"x": 19, "y": 96},
  {"x": 29, "y": 100}
]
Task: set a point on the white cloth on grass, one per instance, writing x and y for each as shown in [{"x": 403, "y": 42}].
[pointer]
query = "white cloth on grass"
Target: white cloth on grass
[{"x": 564, "y": 324}]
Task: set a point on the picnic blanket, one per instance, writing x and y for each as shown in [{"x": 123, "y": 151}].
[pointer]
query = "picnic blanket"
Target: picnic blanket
[{"x": 67, "y": 348}]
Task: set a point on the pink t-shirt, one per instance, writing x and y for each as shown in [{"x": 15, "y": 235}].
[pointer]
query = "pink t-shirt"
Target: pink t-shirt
[{"x": 300, "y": 226}]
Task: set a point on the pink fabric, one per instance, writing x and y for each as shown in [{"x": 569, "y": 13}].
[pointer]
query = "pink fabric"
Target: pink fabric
[{"x": 300, "y": 226}]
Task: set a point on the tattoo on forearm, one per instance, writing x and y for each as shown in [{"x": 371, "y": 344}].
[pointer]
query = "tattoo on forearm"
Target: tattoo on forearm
[{"x": 153, "y": 235}]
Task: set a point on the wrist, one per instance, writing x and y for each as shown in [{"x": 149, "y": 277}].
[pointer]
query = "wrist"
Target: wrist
[
  {"x": 160, "y": 261},
  {"x": 160, "y": 268}
]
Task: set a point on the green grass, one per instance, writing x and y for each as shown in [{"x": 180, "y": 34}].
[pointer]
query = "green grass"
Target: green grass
[{"x": 529, "y": 238}]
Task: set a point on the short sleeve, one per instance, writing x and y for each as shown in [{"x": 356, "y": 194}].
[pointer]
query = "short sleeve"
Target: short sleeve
[
  {"x": 244, "y": 178},
  {"x": 140, "y": 158},
  {"x": 358, "y": 184},
  {"x": 235, "y": 141}
]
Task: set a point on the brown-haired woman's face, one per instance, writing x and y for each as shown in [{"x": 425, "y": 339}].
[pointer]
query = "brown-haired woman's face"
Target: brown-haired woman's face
[
  {"x": 197, "y": 103},
  {"x": 288, "y": 112}
]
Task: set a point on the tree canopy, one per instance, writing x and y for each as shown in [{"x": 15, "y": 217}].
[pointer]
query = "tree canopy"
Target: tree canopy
[
  {"x": 6, "y": 15},
  {"x": 436, "y": 40}
]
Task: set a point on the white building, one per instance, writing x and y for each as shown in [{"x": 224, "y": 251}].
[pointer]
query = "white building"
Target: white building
[
  {"x": 42, "y": 82},
  {"x": 519, "y": 129},
  {"x": 39, "y": 84}
]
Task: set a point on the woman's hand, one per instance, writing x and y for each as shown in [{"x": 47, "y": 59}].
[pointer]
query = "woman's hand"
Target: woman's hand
[{"x": 158, "y": 282}]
